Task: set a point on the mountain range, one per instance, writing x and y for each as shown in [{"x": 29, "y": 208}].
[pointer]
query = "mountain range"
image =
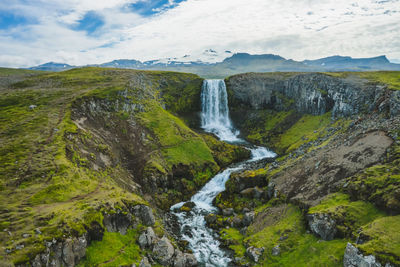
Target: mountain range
[{"x": 211, "y": 64}]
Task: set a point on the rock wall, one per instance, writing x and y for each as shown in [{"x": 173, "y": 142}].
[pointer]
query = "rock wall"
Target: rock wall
[{"x": 311, "y": 93}]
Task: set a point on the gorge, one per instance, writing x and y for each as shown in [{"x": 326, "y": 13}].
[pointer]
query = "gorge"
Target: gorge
[
  {"x": 93, "y": 159},
  {"x": 215, "y": 119}
]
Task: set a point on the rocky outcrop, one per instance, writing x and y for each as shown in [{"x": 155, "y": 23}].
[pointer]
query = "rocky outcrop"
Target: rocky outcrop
[
  {"x": 163, "y": 251},
  {"x": 117, "y": 222},
  {"x": 145, "y": 214},
  {"x": 353, "y": 258},
  {"x": 245, "y": 180},
  {"x": 322, "y": 225},
  {"x": 395, "y": 103},
  {"x": 184, "y": 260},
  {"x": 147, "y": 238},
  {"x": 312, "y": 93},
  {"x": 65, "y": 253},
  {"x": 254, "y": 253}
]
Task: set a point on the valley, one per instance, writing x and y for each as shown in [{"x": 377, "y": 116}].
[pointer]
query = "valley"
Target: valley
[{"x": 93, "y": 159}]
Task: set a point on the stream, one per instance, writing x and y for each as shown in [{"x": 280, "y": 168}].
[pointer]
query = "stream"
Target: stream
[{"x": 215, "y": 119}]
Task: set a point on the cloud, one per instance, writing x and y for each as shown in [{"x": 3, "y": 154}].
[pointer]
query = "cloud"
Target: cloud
[{"x": 83, "y": 31}]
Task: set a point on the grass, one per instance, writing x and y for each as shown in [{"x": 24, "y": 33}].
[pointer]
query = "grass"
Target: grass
[
  {"x": 383, "y": 239},
  {"x": 47, "y": 178},
  {"x": 391, "y": 78},
  {"x": 178, "y": 143},
  {"x": 297, "y": 247},
  {"x": 378, "y": 184},
  {"x": 10, "y": 71},
  {"x": 349, "y": 215},
  {"x": 307, "y": 129},
  {"x": 114, "y": 250},
  {"x": 235, "y": 241}
]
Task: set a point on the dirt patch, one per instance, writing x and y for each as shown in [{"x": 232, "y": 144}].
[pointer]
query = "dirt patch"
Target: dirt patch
[
  {"x": 320, "y": 174},
  {"x": 269, "y": 216}
]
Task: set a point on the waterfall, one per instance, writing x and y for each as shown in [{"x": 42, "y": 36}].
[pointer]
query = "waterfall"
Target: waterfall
[
  {"x": 215, "y": 112},
  {"x": 215, "y": 119}
]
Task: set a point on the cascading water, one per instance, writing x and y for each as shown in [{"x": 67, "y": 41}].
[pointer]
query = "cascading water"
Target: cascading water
[
  {"x": 215, "y": 112},
  {"x": 215, "y": 119}
]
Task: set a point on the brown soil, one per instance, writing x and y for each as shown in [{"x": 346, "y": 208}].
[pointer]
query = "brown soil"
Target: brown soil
[{"x": 314, "y": 177}]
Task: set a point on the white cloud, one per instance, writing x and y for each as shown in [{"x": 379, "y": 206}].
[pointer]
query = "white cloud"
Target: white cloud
[{"x": 293, "y": 29}]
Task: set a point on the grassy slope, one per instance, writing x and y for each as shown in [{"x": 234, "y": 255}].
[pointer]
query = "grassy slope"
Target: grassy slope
[
  {"x": 40, "y": 186},
  {"x": 298, "y": 248}
]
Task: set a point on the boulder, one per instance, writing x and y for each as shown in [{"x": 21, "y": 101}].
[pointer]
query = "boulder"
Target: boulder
[
  {"x": 147, "y": 238},
  {"x": 188, "y": 206},
  {"x": 243, "y": 180},
  {"x": 211, "y": 218},
  {"x": 253, "y": 192},
  {"x": 145, "y": 214},
  {"x": 353, "y": 258},
  {"x": 163, "y": 251},
  {"x": 322, "y": 224},
  {"x": 276, "y": 251},
  {"x": 237, "y": 221},
  {"x": 254, "y": 253},
  {"x": 184, "y": 259},
  {"x": 227, "y": 212},
  {"x": 248, "y": 218},
  {"x": 144, "y": 262}
]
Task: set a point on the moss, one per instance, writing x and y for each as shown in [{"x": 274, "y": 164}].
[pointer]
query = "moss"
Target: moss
[
  {"x": 383, "y": 239},
  {"x": 234, "y": 240},
  {"x": 114, "y": 250},
  {"x": 378, "y": 184},
  {"x": 47, "y": 179},
  {"x": 287, "y": 229},
  {"x": 224, "y": 153},
  {"x": 264, "y": 126},
  {"x": 307, "y": 129},
  {"x": 178, "y": 143},
  {"x": 349, "y": 215}
]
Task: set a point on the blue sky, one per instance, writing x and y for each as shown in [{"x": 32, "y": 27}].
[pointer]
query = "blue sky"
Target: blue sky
[{"x": 81, "y": 32}]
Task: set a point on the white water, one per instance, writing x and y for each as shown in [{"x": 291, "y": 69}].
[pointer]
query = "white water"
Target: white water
[
  {"x": 215, "y": 112},
  {"x": 215, "y": 119}
]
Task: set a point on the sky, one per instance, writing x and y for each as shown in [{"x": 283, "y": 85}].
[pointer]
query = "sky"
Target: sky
[{"x": 79, "y": 32}]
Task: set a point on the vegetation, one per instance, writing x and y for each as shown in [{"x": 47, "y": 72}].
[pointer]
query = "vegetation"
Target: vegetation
[
  {"x": 59, "y": 177},
  {"x": 234, "y": 240},
  {"x": 286, "y": 229},
  {"x": 379, "y": 184},
  {"x": 390, "y": 78},
  {"x": 383, "y": 239},
  {"x": 114, "y": 250},
  {"x": 224, "y": 153},
  {"x": 348, "y": 215}
]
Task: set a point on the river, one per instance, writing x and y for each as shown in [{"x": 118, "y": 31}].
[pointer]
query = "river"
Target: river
[{"x": 215, "y": 119}]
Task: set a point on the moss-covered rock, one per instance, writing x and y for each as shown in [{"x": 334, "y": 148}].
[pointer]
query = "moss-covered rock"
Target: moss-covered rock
[
  {"x": 379, "y": 184},
  {"x": 348, "y": 216},
  {"x": 381, "y": 238},
  {"x": 284, "y": 226},
  {"x": 224, "y": 153}
]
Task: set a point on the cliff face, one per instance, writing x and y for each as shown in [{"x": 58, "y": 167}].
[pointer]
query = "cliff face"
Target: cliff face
[
  {"x": 312, "y": 93},
  {"x": 338, "y": 142}
]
